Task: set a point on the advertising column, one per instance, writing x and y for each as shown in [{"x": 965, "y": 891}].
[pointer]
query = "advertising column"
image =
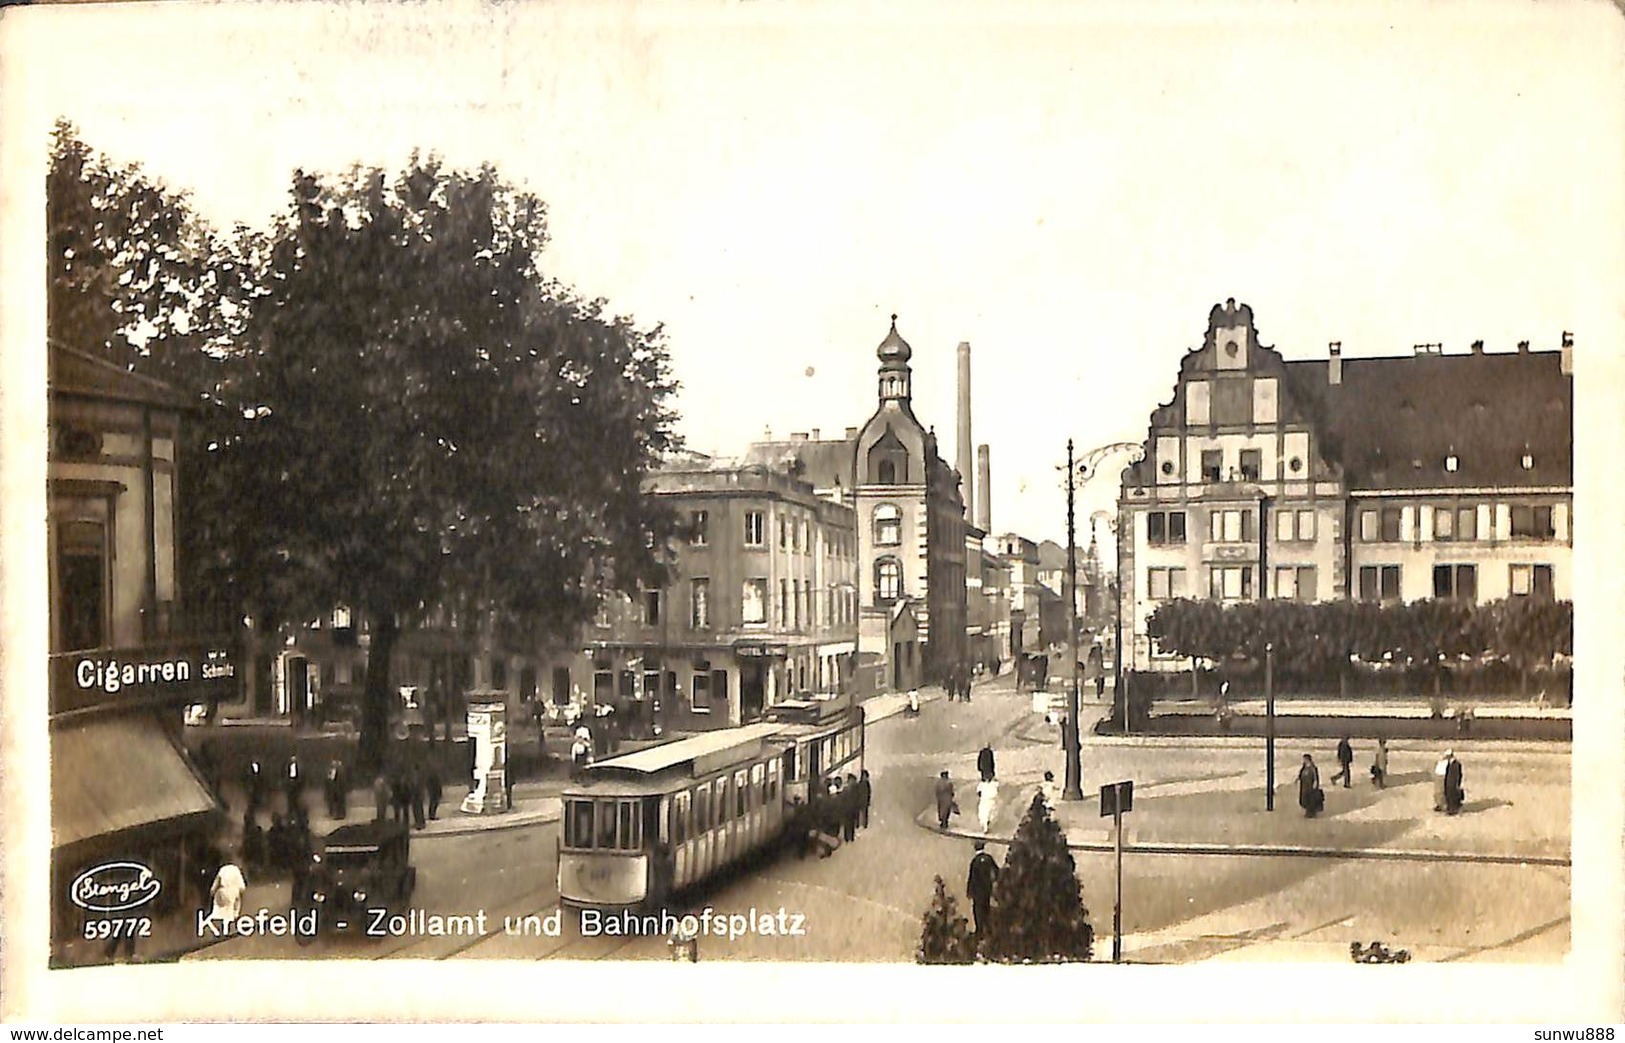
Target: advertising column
[{"x": 488, "y": 731}]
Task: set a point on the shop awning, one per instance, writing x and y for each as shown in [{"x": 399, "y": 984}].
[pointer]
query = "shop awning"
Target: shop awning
[{"x": 113, "y": 774}]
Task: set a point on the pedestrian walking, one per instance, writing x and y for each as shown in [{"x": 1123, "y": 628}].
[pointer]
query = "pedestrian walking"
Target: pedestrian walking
[
  {"x": 1311, "y": 798},
  {"x": 984, "y": 873},
  {"x": 1100, "y": 687},
  {"x": 1050, "y": 791},
  {"x": 400, "y": 790},
  {"x": 431, "y": 782},
  {"x": 946, "y": 805},
  {"x": 580, "y": 753},
  {"x": 226, "y": 894},
  {"x": 987, "y": 800},
  {"x": 254, "y": 853},
  {"x": 382, "y": 796},
  {"x": 984, "y": 763},
  {"x": 1345, "y": 763},
  {"x": 865, "y": 794},
  {"x": 507, "y": 786},
  {"x": 1448, "y": 792},
  {"x": 1379, "y": 765}
]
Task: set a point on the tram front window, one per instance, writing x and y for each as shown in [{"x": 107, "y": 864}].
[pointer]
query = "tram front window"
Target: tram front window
[
  {"x": 606, "y": 823},
  {"x": 578, "y": 824}
]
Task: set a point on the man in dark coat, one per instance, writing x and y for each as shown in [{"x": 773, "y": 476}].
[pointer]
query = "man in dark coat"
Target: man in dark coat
[
  {"x": 431, "y": 782},
  {"x": 337, "y": 787},
  {"x": 293, "y": 784},
  {"x": 865, "y": 794},
  {"x": 1454, "y": 795},
  {"x": 945, "y": 800},
  {"x": 849, "y": 809},
  {"x": 984, "y": 763},
  {"x": 1310, "y": 796},
  {"x": 1345, "y": 763},
  {"x": 415, "y": 790},
  {"x": 253, "y": 786},
  {"x": 400, "y": 788},
  {"x": 984, "y": 872}
]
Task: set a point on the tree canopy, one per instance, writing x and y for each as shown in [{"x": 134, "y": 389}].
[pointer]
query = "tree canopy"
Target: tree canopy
[{"x": 405, "y": 413}]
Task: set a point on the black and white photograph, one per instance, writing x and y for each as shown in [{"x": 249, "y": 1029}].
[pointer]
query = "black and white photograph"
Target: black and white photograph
[{"x": 964, "y": 512}]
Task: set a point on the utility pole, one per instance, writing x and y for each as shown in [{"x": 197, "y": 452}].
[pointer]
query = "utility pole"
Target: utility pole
[
  {"x": 1269, "y": 727},
  {"x": 1069, "y": 729}
]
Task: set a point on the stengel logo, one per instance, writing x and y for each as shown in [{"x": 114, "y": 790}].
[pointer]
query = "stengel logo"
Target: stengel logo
[{"x": 114, "y": 887}]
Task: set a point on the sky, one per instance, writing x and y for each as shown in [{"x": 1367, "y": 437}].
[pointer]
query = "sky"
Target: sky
[{"x": 1069, "y": 189}]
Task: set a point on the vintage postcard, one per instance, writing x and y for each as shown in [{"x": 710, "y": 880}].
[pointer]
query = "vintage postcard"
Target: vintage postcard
[{"x": 812, "y": 512}]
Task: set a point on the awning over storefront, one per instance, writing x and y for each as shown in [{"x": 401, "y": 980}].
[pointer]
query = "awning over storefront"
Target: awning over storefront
[{"x": 109, "y": 775}]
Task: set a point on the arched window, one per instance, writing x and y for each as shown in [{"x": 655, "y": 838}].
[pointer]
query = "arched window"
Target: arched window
[
  {"x": 888, "y": 581},
  {"x": 888, "y": 525}
]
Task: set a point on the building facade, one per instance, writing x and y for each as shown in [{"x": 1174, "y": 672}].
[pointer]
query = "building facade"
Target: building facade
[
  {"x": 1382, "y": 479},
  {"x": 1021, "y": 558},
  {"x": 125, "y": 662},
  {"x": 762, "y": 603}
]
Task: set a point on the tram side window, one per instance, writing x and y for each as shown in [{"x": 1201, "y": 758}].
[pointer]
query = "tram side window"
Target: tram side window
[
  {"x": 578, "y": 824},
  {"x": 702, "y": 809},
  {"x": 629, "y": 825},
  {"x": 679, "y": 818},
  {"x": 741, "y": 791},
  {"x": 606, "y": 823},
  {"x": 770, "y": 792},
  {"x": 721, "y": 814},
  {"x": 790, "y": 764}
]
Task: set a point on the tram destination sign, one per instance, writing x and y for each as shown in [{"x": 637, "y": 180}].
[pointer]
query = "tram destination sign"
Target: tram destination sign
[{"x": 173, "y": 673}]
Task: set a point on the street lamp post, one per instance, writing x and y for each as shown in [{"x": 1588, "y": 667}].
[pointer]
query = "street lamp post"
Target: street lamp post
[{"x": 1069, "y": 728}]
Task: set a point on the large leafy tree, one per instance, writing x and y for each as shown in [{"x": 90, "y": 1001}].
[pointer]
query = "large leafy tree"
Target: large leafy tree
[
  {"x": 435, "y": 423},
  {"x": 1038, "y": 910}
]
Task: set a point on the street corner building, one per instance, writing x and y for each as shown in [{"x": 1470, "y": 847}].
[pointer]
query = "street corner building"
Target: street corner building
[
  {"x": 912, "y": 533},
  {"x": 1428, "y": 475},
  {"x": 129, "y": 810}
]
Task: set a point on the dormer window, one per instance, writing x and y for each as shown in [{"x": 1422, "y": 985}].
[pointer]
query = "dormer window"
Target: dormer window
[
  {"x": 1452, "y": 463},
  {"x": 1528, "y": 460}
]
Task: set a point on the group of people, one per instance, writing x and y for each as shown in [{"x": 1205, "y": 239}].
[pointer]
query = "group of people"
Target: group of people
[
  {"x": 401, "y": 794},
  {"x": 1448, "y": 792},
  {"x": 832, "y": 816},
  {"x": 987, "y": 792}
]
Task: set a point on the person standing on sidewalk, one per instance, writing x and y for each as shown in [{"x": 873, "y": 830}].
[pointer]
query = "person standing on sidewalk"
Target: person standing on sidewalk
[
  {"x": 865, "y": 795},
  {"x": 253, "y": 786},
  {"x": 381, "y": 794},
  {"x": 226, "y": 893},
  {"x": 293, "y": 785},
  {"x": 946, "y": 805},
  {"x": 1311, "y": 798},
  {"x": 1448, "y": 792},
  {"x": 984, "y": 873},
  {"x": 1345, "y": 763},
  {"x": 1050, "y": 791},
  {"x": 1379, "y": 765}
]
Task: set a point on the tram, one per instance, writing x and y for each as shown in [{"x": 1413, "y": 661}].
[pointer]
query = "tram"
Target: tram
[{"x": 643, "y": 826}]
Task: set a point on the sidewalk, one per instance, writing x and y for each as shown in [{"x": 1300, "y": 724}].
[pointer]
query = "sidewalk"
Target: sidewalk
[{"x": 1206, "y": 802}]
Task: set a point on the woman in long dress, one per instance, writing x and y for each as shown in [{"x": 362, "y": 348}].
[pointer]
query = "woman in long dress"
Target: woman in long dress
[{"x": 987, "y": 798}]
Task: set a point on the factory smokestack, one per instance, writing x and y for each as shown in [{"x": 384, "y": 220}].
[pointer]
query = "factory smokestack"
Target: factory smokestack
[
  {"x": 984, "y": 490},
  {"x": 963, "y": 461}
]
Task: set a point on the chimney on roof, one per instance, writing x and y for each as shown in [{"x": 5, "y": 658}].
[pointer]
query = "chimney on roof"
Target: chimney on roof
[
  {"x": 815, "y": 434},
  {"x": 851, "y": 432},
  {"x": 1566, "y": 363},
  {"x": 1523, "y": 347},
  {"x": 798, "y": 436},
  {"x": 1334, "y": 367},
  {"x": 1478, "y": 347}
]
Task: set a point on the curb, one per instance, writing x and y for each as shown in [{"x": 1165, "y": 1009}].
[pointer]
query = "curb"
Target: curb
[{"x": 925, "y": 821}]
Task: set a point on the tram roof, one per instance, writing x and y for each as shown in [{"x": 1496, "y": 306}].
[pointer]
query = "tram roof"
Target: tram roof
[{"x": 703, "y": 753}]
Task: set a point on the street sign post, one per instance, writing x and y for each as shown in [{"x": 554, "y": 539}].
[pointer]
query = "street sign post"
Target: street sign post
[{"x": 1116, "y": 799}]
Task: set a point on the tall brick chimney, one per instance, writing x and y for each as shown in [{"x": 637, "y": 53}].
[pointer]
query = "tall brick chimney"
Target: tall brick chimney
[
  {"x": 963, "y": 461},
  {"x": 984, "y": 489},
  {"x": 1334, "y": 367}
]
